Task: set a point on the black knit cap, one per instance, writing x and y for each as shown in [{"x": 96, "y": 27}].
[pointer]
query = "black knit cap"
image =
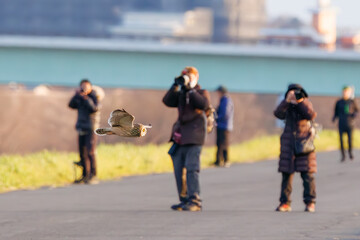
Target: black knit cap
[{"x": 296, "y": 87}]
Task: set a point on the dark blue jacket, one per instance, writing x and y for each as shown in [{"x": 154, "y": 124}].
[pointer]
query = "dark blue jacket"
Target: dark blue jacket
[
  {"x": 86, "y": 107},
  {"x": 225, "y": 113}
]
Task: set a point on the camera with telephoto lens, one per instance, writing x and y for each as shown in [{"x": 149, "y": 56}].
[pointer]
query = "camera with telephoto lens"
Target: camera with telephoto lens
[
  {"x": 182, "y": 80},
  {"x": 298, "y": 94}
]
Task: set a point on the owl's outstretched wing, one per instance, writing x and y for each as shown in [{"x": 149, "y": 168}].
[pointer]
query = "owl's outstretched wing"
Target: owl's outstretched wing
[
  {"x": 104, "y": 131},
  {"x": 121, "y": 118}
]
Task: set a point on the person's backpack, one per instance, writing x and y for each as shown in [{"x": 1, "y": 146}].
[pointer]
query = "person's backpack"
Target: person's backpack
[{"x": 211, "y": 117}]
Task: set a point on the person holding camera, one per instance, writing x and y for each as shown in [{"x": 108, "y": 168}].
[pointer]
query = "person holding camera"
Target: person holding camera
[
  {"x": 86, "y": 103},
  {"x": 297, "y": 150},
  {"x": 188, "y": 135},
  {"x": 346, "y": 110}
]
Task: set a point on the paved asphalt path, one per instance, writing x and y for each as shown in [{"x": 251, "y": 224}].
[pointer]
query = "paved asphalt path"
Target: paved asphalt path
[{"x": 239, "y": 203}]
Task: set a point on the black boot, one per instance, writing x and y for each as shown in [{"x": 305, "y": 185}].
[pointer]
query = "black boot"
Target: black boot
[
  {"x": 342, "y": 156},
  {"x": 193, "y": 205},
  {"x": 351, "y": 156},
  {"x": 180, "y": 206}
]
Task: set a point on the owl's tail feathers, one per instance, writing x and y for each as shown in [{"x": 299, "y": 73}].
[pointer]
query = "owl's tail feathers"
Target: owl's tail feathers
[{"x": 103, "y": 131}]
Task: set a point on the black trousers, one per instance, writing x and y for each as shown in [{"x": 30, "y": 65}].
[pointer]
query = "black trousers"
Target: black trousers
[
  {"x": 87, "y": 145},
  {"x": 348, "y": 131},
  {"x": 188, "y": 157},
  {"x": 309, "y": 195},
  {"x": 222, "y": 143}
]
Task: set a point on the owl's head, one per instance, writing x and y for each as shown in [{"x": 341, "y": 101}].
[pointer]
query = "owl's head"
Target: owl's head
[{"x": 143, "y": 130}]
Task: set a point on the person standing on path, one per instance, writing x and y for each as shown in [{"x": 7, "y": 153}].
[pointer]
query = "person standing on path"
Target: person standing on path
[
  {"x": 346, "y": 110},
  {"x": 86, "y": 103},
  {"x": 224, "y": 120},
  {"x": 188, "y": 135},
  {"x": 297, "y": 111}
]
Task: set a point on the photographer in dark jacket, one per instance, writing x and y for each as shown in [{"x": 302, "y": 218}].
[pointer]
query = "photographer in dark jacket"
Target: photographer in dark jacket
[
  {"x": 188, "y": 135},
  {"x": 346, "y": 110},
  {"x": 297, "y": 111},
  {"x": 86, "y": 103}
]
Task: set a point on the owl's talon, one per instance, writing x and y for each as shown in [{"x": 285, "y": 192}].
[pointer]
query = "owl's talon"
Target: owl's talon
[{"x": 101, "y": 132}]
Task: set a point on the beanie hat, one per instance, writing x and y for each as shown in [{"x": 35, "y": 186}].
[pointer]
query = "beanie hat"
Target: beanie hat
[{"x": 296, "y": 87}]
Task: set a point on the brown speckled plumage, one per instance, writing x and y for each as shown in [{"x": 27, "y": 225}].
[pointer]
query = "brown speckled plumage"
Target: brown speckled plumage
[{"x": 122, "y": 124}]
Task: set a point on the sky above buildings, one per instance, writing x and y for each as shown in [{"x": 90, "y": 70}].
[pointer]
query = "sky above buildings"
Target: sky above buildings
[{"x": 348, "y": 10}]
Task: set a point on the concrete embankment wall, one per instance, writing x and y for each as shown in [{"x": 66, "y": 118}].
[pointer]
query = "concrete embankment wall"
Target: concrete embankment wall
[{"x": 35, "y": 120}]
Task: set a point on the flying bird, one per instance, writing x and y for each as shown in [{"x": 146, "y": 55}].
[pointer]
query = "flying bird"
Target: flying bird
[{"x": 122, "y": 124}]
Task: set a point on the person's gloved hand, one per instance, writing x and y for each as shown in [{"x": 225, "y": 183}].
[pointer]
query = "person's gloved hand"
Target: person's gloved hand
[{"x": 290, "y": 98}]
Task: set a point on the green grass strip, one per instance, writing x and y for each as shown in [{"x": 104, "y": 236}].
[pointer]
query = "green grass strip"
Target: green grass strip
[{"x": 51, "y": 168}]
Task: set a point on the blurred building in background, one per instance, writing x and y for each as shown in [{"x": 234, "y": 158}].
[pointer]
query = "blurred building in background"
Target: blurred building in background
[
  {"x": 238, "y": 21},
  {"x": 217, "y": 21},
  {"x": 349, "y": 39},
  {"x": 80, "y": 18},
  {"x": 192, "y": 25},
  {"x": 292, "y": 32},
  {"x": 324, "y": 22},
  {"x": 186, "y": 20}
]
